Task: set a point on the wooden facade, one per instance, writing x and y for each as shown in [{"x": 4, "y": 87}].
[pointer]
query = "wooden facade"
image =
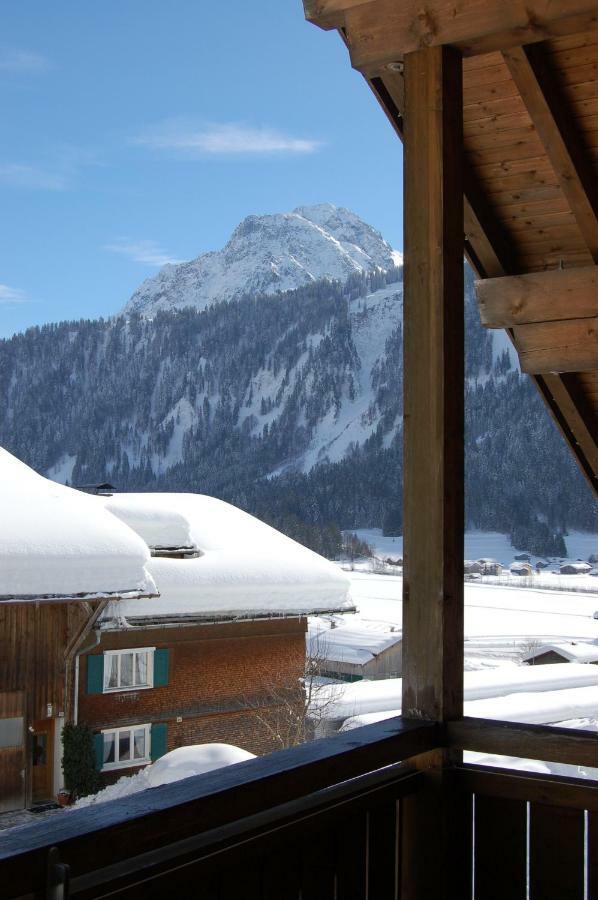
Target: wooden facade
[
  {"x": 35, "y": 639},
  {"x": 497, "y": 106}
]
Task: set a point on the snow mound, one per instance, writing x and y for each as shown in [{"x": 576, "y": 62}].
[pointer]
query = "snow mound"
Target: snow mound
[
  {"x": 57, "y": 542},
  {"x": 187, "y": 761},
  {"x": 245, "y": 566},
  {"x": 267, "y": 254},
  {"x": 184, "y": 762}
]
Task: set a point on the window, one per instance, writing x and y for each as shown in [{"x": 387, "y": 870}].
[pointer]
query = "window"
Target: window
[
  {"x": 128, "y": 669},
  {"x": 126, "y": 746}
]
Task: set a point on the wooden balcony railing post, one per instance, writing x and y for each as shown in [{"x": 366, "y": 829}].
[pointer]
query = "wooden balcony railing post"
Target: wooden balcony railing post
[{"x": 433, "y": 454}]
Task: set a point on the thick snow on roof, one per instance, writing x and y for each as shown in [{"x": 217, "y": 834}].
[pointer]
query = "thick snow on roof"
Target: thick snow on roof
[
  {"x": 571, "y": 650},
  {"x": 351, "y": 640},
  {"x": 533, "y": 707},
  {"x": 361, "y": 697},
  {"x": 245, "y": 566},
  {"x": 58, "y": 542}
]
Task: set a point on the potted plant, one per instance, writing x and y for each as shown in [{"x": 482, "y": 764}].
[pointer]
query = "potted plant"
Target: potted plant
[{"x": 63, "y": 797}]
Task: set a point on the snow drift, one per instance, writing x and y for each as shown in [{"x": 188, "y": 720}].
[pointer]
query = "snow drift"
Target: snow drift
[
  {"x": 57, "y": 542},
  {"x": 245, "y": 566},
  {"x": 184, "y": 762}
]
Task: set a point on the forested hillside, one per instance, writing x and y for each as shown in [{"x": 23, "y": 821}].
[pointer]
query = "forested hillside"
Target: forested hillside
[{"x": 288, "y": 405}]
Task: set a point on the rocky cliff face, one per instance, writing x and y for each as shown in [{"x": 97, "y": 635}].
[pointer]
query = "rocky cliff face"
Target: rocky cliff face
[{"x": 267, "y": 254}]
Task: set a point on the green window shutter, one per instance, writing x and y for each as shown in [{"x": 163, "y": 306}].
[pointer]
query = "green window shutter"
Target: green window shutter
[
  {"x": 98, "y": 746},
  {"x": 161, "y": 662},
  {"x": 158, "y": 740},
  {"x": 95, "y": 674}
]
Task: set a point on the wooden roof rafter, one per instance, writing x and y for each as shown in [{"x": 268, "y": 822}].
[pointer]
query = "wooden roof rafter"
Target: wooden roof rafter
[{"x": 531, "y": 151}]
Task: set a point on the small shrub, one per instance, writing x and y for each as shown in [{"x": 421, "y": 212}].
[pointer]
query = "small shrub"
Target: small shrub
[{"x": 81, "y": 776}]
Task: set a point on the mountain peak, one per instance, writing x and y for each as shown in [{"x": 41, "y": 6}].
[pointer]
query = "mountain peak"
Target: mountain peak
[{"x": 267, "y": 254}]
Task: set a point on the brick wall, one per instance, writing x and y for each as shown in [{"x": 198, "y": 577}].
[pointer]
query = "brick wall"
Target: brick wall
[{"x": 218, "y": 674}]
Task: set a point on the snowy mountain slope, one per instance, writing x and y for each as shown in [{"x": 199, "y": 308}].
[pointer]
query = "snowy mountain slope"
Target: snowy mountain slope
[
  {"x": 373, "y": 319},
  {"x": 270, "y": 253},
  {"x": 288, "y": 404}
]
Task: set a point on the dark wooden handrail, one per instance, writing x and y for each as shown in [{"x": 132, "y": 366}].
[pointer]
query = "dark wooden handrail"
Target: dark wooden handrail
[{"x": 104, "y": 835}]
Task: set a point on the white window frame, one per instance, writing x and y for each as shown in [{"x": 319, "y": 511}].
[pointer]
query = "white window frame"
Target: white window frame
[
  {"x": 134, "y": 687},
  {"x": 128, "y": 763}
]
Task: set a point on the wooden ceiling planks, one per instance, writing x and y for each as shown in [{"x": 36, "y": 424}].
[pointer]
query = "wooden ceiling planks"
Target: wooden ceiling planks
[{"x": 530, "y": 134}]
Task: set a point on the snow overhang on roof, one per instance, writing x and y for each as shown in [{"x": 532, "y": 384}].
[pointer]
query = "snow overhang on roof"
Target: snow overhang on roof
[
  {"x": 571, "y": 650},
  {"x": 244, "y": 566},
  {"x": 59, "y": 544}
]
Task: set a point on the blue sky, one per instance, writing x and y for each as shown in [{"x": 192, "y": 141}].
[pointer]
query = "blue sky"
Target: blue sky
[{"x": 139, "y": 132}]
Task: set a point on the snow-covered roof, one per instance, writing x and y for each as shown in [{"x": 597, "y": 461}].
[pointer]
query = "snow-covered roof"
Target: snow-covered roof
[
  {"x": 353, "y": 641},
  {"x": 577, "y": 565},
  {"x": 543, "y": 708},
  {"x": 244, "y": 567},
  {"x": 57, "y": 543},
  {"x": 344, "y": 701},
  {"x": 571, "y": 650}
]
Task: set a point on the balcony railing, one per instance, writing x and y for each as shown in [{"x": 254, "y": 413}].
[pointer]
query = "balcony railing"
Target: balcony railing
[{"x": 346, "y": 817}]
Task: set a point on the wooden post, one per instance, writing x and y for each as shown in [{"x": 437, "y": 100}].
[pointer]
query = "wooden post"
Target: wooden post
[
  {"x": 434, "y": 385},
  {"x": 436, "y": 821}
]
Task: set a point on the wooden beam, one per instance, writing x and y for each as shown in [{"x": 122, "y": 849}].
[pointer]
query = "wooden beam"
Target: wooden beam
[
  {"x": 556, "y": 347},
  {"x": 538, "y": 297},
  {"x": 492, "y": 254},
  {"x": 561, "y": 745},
  {"x": 553, "y": 790},
  {"x": 382, "y": 32},
  {"x": 559, "y": 135},
  {"x": 570, "y": 406},
  {"x": 329, "y": 14},
  {"x": 434, "y": 384}
]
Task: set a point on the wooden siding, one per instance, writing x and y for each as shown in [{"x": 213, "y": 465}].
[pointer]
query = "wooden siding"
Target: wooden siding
[{"x": 33, "y": 640}]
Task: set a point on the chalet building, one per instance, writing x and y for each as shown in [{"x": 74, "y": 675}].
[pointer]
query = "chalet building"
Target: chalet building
[
  {"x": 494, "y": 102},
  {"x": 350, "y": 652},
  {"x": 490, "y": 566},
  {"x": 521, "y": 569},
  {"x": 484, "y": 566},
  {"x": 575, "y": 568},
  {"x": 563, "y": 651},
  {"x": 62, "y": 558},
  {"x": 218, "y": 656}
]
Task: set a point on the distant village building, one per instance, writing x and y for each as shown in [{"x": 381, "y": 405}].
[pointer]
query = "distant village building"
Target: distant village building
[
  {"x": 521, "y": 569},
  {"x": 490, "y": 566},
  {"x": 563, "y": 651},
  {"x": 575, "y": 568},
  {"x": 522, "y": 557},
  {"x": 472, "y": 567},
  {"x": 353, "y": 651}
]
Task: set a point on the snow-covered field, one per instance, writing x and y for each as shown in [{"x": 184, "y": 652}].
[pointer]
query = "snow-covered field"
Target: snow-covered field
[
  {"x": 478, "y": 544},
  {"x": 501, "y": 625}
]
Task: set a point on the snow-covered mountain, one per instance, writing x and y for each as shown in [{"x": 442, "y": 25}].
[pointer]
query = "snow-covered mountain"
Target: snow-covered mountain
[
  {"x": 288, "y": 404},
  {"x": 267, "y": 254}
]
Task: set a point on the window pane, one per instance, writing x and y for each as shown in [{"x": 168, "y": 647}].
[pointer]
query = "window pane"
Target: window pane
[
  {"x": 109, "y": 748},
  {"x": 110, "y": 671},
  {"x": 141, "y": 668},
  {"x": 139, "y": 743},
  {"x": 40, "y": 747},
  {"x": 124, "y": 746},
  {"x": 126, "y": 670}
]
